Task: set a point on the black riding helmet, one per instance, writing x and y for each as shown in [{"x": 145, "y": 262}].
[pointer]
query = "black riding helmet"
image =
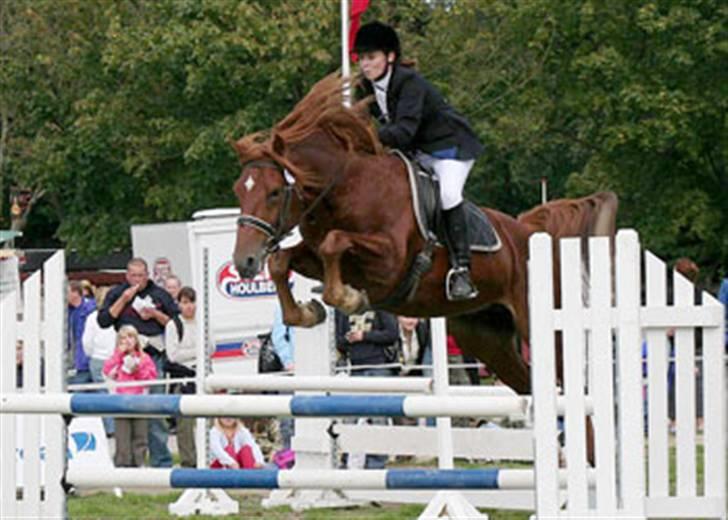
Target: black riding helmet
[{"x": 376, "y": 36}]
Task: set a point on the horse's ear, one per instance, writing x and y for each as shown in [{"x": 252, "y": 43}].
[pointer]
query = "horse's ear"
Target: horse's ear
[
  {"x": 278, "y": 145},
  {"x": 235, "y": 146}
]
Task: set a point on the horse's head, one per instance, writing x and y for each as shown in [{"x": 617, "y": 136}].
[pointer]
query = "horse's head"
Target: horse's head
[{"x": 265, "y": 196}]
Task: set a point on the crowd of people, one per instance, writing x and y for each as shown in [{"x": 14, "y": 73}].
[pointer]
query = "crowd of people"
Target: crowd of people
[{"x": 143, "y": 331}]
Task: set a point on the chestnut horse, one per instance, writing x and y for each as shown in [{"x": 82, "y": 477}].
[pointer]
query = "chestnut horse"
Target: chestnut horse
[{"x": 323, "y": 169}]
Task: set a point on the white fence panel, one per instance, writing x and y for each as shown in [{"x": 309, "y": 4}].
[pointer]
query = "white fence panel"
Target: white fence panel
[
  {"x": 543, "y": 375},
  {"x": 629, "y": 367},
  {"x": 685, "y": 393},
  {"x": 601, "y": 370},
  {"x": 657, "y": 350},
  {"x": 54, "y": 305},
  {"x": 573, "y": 376},
  {"x": 8, "y": 437},
  {"x": 31, "y": 441}
]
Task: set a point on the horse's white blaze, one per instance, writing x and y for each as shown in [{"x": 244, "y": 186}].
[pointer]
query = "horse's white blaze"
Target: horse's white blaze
[{"x": 249, "y": 183}]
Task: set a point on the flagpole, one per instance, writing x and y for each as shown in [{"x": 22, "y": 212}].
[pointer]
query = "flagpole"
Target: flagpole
[{"x": 345, "y": 65}]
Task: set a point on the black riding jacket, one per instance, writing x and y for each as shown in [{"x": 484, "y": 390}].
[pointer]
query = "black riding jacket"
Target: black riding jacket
[{"x": 421, "y": 119}]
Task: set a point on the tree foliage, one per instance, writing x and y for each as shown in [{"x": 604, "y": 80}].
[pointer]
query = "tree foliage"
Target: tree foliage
[{"x": 121, "y": 112}]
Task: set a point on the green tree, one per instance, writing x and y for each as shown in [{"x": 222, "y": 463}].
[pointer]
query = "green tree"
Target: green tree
[
  {"x": 127, "y": 108},
  {"x": 113, "y": 113}
]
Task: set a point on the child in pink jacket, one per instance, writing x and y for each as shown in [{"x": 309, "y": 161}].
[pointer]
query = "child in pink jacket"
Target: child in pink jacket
[{"x": 130, "y": 363}]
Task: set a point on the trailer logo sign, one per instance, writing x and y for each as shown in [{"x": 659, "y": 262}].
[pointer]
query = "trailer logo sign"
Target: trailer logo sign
[{"x": 231, "y": 285}]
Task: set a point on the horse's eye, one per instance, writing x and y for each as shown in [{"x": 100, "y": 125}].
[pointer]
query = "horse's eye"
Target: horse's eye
[{"x": 273, "y": 195}]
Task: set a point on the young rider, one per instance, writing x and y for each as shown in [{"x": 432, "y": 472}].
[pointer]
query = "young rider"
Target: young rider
[{"x": 415, "y": 117}]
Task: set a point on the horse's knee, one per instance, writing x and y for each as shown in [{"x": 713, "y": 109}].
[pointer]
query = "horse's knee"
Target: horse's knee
[{"x": 335, "y": 243}]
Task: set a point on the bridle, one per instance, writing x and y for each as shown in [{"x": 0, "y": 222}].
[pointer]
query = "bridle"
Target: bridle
[{"x": 276, "y": 233}]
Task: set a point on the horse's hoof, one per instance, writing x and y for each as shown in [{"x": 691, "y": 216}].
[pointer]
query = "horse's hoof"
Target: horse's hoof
[
  {"x": 364, "y": 304},
  {"x": 313, "y": 313},
  {"x": 318, "y": 310}
]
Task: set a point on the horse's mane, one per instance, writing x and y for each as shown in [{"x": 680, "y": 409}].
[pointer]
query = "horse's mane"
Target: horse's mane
[{"x": 320, "y": 111}]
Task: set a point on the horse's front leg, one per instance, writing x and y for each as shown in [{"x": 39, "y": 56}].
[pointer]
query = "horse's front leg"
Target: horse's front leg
[
  {"x": 295, "y": 314},
  {"x": 336, "y": 293}
]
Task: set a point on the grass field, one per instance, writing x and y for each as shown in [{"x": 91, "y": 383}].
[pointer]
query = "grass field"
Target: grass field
[{"x": 145, "y": 506}]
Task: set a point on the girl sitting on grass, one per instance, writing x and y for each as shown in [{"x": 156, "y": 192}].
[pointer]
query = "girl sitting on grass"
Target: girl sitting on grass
[{"x": 233, "y": 446}]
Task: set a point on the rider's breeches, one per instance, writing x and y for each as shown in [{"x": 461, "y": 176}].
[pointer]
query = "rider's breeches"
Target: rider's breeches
[{"x": 452, "y": 174}]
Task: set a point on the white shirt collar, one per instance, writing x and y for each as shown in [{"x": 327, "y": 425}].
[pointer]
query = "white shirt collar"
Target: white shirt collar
[{"x": 383, "y": 84}]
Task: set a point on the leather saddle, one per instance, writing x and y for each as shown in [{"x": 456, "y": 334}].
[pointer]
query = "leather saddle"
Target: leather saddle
[{"x": 426, "y": 205}]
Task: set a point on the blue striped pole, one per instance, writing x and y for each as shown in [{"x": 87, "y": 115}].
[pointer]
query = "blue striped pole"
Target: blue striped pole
[
  {"x": 263, "y": 405},
  {"x": 303, "y": 479}
]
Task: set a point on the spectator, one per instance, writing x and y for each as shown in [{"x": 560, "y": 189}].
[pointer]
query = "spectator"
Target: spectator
[
  {"x": 130, "y": 363},
  {"x": 99, "y": 345},
  {"x": 365, "y": 339},
  {"x": 172, "y": 284},
  {"x": 232, "y": 446},
  {"x": 142, "y": 303},
  {"x": 79, "y": 309},
  {"x": 457, "y": 374},
  {"x": 414, "y": 336},
  {"x": 282, "y": 339},
  {"x": 473, "y": 371},
  {"x": 181, "y": 345}
]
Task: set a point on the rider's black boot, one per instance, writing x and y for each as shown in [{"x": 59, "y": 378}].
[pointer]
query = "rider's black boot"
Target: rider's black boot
[{"x": 458, "y": 284}]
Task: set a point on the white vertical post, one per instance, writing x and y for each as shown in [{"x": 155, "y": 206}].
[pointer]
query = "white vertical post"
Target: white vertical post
[
  {"x": 715, "y": 404},
  {"x": 31, "y": 385},
  {"x": 54, "y": 429},
  {"x": 8, "y": 383},
  {"x": 685, "y": 415},
  {"x": 345, "y": 64},
  {"x": 629, "y": 364},
  {"x": 440, "y": 386},
  {"x": 657, "y": 366},
  {"x": 601, "y": 379},
  {"x": 203, "y": 355},
  {"x": 543, "y": 374},
  {"x": 573, "y": 377}
]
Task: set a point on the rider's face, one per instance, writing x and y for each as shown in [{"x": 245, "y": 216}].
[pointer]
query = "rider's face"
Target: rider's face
[{"x": 373, "y": 64}]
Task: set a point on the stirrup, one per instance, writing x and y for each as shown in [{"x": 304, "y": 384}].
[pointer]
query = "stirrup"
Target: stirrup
[{"x": 454, "y": 271}]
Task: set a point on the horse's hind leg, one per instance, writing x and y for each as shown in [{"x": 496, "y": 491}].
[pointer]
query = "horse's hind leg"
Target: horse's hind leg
[{"x": 490, "y": 335}]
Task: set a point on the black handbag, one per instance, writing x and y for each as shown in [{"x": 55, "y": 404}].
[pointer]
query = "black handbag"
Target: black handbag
[{"x": 268, "y": 359}]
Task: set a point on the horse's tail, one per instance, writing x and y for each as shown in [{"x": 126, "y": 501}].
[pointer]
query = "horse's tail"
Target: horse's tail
[{"x": 595, "y": 215}]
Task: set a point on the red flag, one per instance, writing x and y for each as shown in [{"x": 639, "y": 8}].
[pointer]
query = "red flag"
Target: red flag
[{"x": 357, "y": 9}]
